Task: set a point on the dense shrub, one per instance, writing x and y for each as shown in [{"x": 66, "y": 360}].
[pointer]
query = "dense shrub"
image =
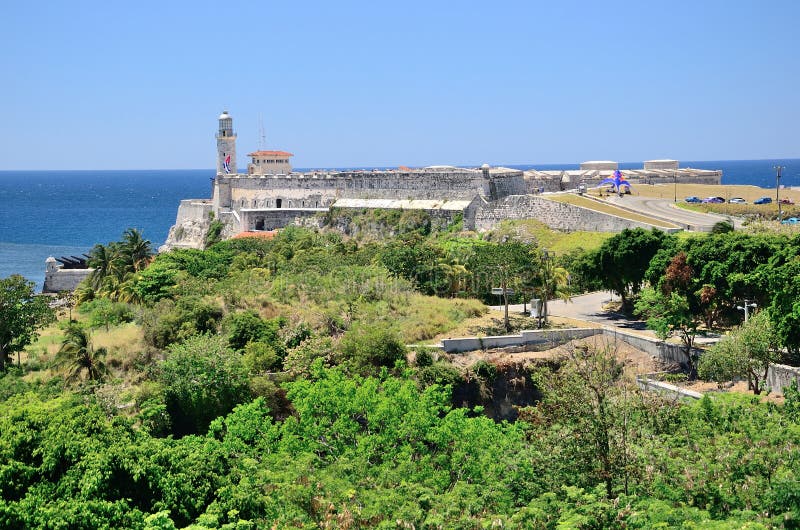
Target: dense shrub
[
  {"x": 367, "y": 347},
  {"x": 202, "y": 379}
]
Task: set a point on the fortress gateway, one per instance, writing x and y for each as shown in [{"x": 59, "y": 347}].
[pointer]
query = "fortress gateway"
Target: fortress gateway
[{"x": 270, "y": 195}]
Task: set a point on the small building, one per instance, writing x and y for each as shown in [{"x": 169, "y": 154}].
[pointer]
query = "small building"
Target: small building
[
  {"x": 661, "y": 164},
  {"x": 269, "y": 163},
  {"x": 600, "y": 165}
]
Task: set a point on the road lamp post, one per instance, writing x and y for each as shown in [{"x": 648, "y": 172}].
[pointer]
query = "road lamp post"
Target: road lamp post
[
  {"x": 778, "y": 170},
  {"x": 675, "y": 183},
  {"x": 745, "y": 307}
]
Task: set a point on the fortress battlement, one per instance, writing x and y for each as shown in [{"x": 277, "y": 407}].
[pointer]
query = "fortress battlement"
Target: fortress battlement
[{"x": 272, "y": 195}]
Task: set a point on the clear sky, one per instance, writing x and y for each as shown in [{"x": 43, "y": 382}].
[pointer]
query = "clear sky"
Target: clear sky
[{"x": 127, "y": 85}]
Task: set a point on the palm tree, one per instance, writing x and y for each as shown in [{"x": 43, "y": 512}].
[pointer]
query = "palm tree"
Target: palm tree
[
  {"x": 136, "y": 250},
  {"x": 78, "y": 354},
  {"x": 106, "y": 263}
]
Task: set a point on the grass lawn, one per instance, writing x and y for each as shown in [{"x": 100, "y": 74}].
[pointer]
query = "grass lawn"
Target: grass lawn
[{"x": 546, "y": 237}]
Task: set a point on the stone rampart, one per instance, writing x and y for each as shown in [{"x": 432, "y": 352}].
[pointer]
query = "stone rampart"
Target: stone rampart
[
  {"x": 271, "y": 219},
  {"x": 190, "y": 225},
  {"x": 56, "y": 280},
  {"x": 558, "y": 215}
]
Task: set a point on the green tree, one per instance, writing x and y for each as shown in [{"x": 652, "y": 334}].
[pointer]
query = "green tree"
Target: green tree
[
  {"x": 509, "y": 264},
  {"x": 80, "y": 357},
  {"x": 621, "y": 263},
  {"x": 746, "y": 352},
  {"x": 202, "y": 379},
  {"x": 668, "y": 315},
  {"x": 22, "y": 314},
  {"x": 107, "y": 266},
  {"x": 551, "y": 281}
]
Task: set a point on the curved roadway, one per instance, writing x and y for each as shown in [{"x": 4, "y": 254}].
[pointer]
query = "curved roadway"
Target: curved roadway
[{"x": 666, "y": 210}]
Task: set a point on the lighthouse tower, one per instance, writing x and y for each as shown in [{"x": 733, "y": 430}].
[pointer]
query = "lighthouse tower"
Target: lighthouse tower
[{"x": 226, "y": 145}]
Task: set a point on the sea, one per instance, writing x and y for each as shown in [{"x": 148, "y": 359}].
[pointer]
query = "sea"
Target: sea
[{"x": 65, "y": 213}]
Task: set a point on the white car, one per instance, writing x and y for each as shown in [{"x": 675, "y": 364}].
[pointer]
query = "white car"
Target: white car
[{"x": 737, "y": 200}]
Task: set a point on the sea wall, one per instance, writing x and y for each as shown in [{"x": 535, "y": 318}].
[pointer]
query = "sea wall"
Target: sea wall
[{"x": 558, "y": 215}]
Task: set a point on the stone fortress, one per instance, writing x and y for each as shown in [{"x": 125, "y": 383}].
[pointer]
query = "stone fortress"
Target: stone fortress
[{"x": 271, "y": 195}]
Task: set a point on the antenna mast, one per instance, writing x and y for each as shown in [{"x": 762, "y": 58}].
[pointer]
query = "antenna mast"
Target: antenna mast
[{"x": 262, "y": 141}]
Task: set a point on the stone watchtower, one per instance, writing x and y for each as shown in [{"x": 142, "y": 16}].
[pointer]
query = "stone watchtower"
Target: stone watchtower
[{"x": 226, "y": 145}]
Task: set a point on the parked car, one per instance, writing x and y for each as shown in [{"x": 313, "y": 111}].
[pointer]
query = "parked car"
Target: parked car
[
  {"x": 737, "y": 200},
  {"x": 787, "y": 200},
  {"x": 715, "y": 200},
  {"x": 693, "y": 199},
  {"x": 791, "y": 221},
  {"x": 763, "y": 200}
]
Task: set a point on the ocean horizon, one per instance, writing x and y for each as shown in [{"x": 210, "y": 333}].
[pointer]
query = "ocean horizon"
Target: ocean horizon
[{"x": 66, "y": 212}]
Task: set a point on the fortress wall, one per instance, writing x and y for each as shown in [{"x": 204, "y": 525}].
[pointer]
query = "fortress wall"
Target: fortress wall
[
  {"x": 64, "y": 279},
  {"x": 534, "y": 186},
  {"x": 508, "y": 185},
  {"x": 317, "y": 190},
  {"x": 193, "y": 210},
  {"x": 273, "y": 219},
  {"x": 554, "y": 214}
]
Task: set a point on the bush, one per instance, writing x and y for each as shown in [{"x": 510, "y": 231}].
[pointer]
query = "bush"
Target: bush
[
  {"x": 441, "y": 373},
  {"x": 367, "y": 347},
  {"x": 260, "y": 357},
  {"x": 104, "y": 312},
  {"x": 299, "y": 360},
  {"x": 247, "y": 326},
  {"x": 167, "y": 322},
  {"x": 423, "y": 358},
  {"x": 202, "y": 379}
]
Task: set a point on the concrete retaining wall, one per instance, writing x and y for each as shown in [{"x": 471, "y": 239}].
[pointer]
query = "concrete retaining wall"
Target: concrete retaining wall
[
  {"x": 664, "y": 351},
  {"x": 667, "y": 390},
  {"x": 557, "y": 336},
  {"x": 780, "y": 376}
]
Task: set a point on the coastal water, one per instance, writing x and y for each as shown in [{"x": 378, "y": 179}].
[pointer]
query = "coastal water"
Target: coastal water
[{"x": 63, "y": 213}]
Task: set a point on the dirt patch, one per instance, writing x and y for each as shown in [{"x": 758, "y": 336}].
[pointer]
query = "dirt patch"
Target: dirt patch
[
  {"x": 739, "y": 387},
  {"x": 636, "y": 361}
]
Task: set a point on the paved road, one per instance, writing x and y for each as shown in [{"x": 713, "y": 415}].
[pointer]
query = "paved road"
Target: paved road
[
  {"x": 665, "y": 209},
  {"x": 589, "y": 307}
]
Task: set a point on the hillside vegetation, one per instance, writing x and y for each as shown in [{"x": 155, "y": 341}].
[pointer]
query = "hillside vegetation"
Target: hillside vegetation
[{"x": 268, "y": 384}]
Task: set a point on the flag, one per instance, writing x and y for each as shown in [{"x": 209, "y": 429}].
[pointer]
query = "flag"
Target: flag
[{"x": 227, "y": 164}]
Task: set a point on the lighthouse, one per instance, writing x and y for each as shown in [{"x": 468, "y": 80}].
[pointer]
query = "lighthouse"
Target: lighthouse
[{"x": 226, "y": 145}]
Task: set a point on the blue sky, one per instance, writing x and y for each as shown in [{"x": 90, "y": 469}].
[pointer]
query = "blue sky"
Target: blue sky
[{"x": 126, "y": 85}]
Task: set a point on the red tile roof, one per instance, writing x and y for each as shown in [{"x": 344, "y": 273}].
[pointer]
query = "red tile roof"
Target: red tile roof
[
  {"x": 273, "y": 154},
  {"x": 269, "y": 234}
]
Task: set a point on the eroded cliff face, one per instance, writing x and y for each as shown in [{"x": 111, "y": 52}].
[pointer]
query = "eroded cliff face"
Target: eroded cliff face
[
  {"x": 501, "y": 389},
  {"x": 188, "y": 234}
]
